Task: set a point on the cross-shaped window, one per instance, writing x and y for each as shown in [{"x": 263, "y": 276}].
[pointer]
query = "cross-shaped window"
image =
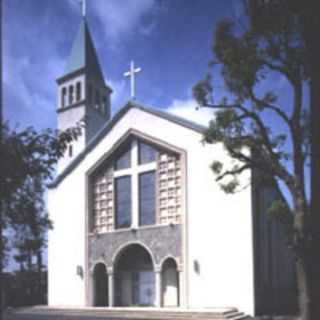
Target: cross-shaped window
[{"x": 135, "y": 186}]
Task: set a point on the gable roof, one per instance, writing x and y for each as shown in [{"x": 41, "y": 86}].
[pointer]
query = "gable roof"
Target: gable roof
[{"x": 110, "y": 124}]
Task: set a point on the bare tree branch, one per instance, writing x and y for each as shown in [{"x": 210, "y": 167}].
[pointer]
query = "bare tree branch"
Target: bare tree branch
[
  {"x": 233, "y": 172},
  {"x": 272, "y": 107}
]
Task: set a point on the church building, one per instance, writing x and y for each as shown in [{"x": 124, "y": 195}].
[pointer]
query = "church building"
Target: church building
[{"x": 138, "y": 218}]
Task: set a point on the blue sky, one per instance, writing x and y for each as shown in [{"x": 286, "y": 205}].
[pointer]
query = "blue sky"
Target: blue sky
[{"x": 169, "y": 39}]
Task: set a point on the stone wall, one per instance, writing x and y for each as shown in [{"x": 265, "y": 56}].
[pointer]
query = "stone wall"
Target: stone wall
[{"x": 161, "y": 241}]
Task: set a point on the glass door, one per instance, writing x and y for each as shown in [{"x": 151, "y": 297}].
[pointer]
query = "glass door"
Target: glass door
[{"x": 143, "y": 288}]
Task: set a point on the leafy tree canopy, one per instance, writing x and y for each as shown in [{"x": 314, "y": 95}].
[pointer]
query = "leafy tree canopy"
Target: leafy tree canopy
[
  {"x": 244, "y": 123},
  {"x": 28, "y": 160}
]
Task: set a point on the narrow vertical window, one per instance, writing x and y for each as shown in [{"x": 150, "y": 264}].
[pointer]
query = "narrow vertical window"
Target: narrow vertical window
[
  {"x": 78, "y": 91},
  {"x": 123, "y": 202},
  {"x": 70, "y": 149},
  {"x": 97, "y": 103},
  {"x": 63, "y": 97},
  {"x": 90, "y": 94},
  {"x": 147, "y": 198},
  {"x": 104, "y": 105},
  {"x": 107, "y": 106},
  {"x": 71, "y": 98}
]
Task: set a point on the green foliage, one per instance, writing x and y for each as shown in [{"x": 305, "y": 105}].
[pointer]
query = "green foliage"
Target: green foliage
[
  {"x": 202, "y": 90},
  {"x": 272, "y": 41},
  {"x": 28, "y": 160},
  {"x": 216, "y": 167},
  {"x": 244, "y": 123},
  {"x": 241, "y": 66},
  {"x": 246, "y": 57},
  {"x": 28, "y": 154},
  {"x": 280, "y": 211},
  {"x": 230, "y": 187}
]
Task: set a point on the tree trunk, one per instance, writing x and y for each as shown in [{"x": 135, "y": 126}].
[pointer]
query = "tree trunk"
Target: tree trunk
[
  {"x": 1, "y": 263},
  {"x": 1, "y": 218},
  {"x": 311, "y": 24},
  {"x": 39, "y": 269},
  {"x": 315, "y": 191},
  {"x": 302, "y": 253},
  {"x": 29, "y": 260},
  {"x": 303, "y": 278}
]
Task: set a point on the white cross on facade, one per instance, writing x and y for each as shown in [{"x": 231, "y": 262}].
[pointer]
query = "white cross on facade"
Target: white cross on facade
[
  {"x": 135, "y": 171},
  {"x": 131, "y": 73}
]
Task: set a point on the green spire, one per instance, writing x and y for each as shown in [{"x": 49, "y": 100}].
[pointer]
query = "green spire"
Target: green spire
[{"x": 83, "y": 53}]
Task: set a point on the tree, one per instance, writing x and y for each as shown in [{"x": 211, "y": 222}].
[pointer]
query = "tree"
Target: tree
[
  {"x": 242, "y": 123},
  {"x": 30, "y": 227},
  {"x": 28, "y": 160},
  {"x": 307, "y": 15}
]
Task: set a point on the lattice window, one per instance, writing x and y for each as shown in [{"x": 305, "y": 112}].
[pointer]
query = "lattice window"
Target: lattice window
[
  {"x": 103, "y": 199},
  {"x": 158, "y": 183},
  {"x": 123, "y": 202},
  {"x": 169, "y": 188},
  {"x": 147, "y": 198}
]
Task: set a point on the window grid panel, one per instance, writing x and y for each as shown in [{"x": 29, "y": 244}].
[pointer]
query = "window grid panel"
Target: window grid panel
[
  {"x": 147, "y": 198},
  {"x": 124, "y": 160},
  {"x": 103, "y": 197},
  {"x": 147, "y": 153},
  {"x": 167, "y": 199},
  {"x": 123, "y": 202},
  {"x": 169, "y": 188}
]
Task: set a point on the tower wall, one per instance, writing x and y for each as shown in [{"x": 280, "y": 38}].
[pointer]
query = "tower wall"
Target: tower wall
[
  {"x": 83, "y": 97},
  {"x": 69, "y": 119}
]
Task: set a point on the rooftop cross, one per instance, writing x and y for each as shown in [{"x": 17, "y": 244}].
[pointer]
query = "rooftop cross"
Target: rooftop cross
[
  {"x": 131, "y": 73},
  {"x": 84, "y": 7}
]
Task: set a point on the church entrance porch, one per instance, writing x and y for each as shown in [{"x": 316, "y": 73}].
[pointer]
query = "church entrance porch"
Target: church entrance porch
[{"x": 134, "y": 277}]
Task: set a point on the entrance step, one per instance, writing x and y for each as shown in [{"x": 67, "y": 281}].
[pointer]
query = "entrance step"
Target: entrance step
[{"x": 39, "y": 313}]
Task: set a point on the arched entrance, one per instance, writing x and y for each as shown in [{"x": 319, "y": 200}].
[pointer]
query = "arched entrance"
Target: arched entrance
[
  {"x": 170, "y": 283},
  {"x": 134, "y": 277},
  {"x": 100, "y": 285}
]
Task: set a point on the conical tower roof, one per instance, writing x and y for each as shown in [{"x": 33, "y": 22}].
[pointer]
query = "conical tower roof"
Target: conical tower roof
[{"x": 83, "y": 53}]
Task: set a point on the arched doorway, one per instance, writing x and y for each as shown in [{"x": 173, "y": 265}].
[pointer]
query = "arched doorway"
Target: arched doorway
[
  {"x": 170, "y": 283},
  {"x": 100, "y": 285},
  {"x": 134, "y": 277}
]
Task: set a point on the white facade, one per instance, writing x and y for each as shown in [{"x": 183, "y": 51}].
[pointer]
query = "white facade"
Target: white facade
[
  {"x": 217, "y": 229},
  {"x": 211, "y": 250}
]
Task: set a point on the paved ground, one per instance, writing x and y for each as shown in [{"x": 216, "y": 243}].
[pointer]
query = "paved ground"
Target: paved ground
[
  {"x": 50, "y": 317},
  {"x": 56, "y": 317},
  {"x": 21, "y": 316},
  {"x": 45, "y": 313}
]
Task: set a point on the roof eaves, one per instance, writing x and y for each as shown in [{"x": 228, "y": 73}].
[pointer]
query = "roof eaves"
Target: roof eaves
[
  {"x": 171, "y": 117},
  {"x": 109, "y": 125}
]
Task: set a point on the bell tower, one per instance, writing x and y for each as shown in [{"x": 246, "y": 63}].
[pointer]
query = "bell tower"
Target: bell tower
[{"x": 83, "y": 96}]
